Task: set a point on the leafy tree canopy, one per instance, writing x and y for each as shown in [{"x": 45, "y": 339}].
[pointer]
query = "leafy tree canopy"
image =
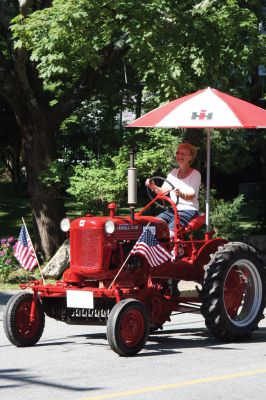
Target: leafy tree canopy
[{"x": 174, "y": 46}]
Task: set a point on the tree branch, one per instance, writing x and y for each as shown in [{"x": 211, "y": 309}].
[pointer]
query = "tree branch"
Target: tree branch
[
  {"x": 17, "y": 72},
  {"x": 25, "y": 7},
  {"x": 88, "y": 81}
]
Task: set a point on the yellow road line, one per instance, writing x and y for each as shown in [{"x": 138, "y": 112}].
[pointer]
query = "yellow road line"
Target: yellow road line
[{"x": 127, "y": 393}]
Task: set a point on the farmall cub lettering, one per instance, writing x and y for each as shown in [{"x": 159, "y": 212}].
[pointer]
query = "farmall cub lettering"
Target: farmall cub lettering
[{"x": 112, "y": 280}]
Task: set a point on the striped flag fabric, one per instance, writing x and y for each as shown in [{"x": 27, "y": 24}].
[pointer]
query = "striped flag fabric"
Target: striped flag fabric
[
  {"x": 148, "y": 246},
  {"x": 24, "y": 252}
]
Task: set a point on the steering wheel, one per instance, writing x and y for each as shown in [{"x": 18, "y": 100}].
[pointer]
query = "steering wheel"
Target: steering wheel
[{"x": 152, "y": 195}]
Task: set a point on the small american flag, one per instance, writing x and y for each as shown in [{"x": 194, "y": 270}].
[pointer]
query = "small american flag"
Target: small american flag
[
  {"x": 149, "y": 247},
  {"x": 24, "y": 251}
]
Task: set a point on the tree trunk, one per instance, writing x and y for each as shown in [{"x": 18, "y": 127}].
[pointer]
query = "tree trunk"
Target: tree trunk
[
  {"x": 22, "y": 90},
  {"x": 39, "y": 148}
]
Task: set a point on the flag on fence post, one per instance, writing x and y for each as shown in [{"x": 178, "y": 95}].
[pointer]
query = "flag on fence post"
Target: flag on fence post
[
  {"x": 149, "y": 247},
  {"x": 24, "y": 251}
]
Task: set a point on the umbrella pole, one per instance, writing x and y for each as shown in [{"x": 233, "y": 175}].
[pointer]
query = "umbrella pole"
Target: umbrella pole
[{"x": 208, "y": 180}]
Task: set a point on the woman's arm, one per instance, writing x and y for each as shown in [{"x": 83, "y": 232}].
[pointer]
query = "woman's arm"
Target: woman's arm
[
  {"x": 188, "y": 192},
  {"x": 156, "y": 189}
]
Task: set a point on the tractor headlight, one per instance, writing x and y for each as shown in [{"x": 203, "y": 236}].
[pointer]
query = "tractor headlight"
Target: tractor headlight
[
  {"x": 109, "y": 227},
  {"x": 65, "y": 225}
]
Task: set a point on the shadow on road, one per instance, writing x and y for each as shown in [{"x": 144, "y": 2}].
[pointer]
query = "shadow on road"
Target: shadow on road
[
  {"x": 20, "y": 377},
  {"x": 176, "y": 340}
]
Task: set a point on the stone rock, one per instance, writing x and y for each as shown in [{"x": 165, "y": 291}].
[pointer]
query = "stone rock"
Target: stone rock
[{"x": 58, "y": 263}]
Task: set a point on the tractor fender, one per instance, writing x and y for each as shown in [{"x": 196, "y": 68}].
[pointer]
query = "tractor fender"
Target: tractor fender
[{"x": 204, "y": 255}]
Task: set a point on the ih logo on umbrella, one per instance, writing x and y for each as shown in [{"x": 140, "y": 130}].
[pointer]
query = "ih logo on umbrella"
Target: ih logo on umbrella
[{"x": 201, "y": 115}]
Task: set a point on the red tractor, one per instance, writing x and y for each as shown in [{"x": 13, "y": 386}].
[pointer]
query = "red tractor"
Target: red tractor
[{"x": 107, "y": 284}]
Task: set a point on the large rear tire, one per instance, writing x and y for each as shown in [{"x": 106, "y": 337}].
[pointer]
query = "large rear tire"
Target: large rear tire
[
  {"x": 128, "y": 327},
  {"x": 17, "y": 325},
  {"x": 233, "y": 293}
]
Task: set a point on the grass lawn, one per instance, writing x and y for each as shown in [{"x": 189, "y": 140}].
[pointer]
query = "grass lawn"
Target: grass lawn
[
  {"x": 15, "y": 204},
  {"x": 11, "y": 213},
  {"x": 249, "y": 216}
]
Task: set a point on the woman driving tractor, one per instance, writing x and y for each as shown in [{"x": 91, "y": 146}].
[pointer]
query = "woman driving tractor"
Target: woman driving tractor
[{"x": 186, "y": 182}]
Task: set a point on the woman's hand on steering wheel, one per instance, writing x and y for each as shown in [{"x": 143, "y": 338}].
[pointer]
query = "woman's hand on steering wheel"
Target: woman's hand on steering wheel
[
  {"x": 150, "y": 184},
  {"x": 151, "y": 189}
]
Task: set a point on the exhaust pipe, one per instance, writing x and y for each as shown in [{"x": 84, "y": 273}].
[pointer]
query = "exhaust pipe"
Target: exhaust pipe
[{"x": 132, "y": 185}]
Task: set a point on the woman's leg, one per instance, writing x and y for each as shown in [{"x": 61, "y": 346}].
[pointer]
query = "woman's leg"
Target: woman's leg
[
  {"x": 186, "y": 216},
  {"x": 167, "y": 215}
]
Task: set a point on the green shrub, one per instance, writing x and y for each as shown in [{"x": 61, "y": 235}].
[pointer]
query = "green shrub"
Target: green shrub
[
  {"x": 224, "y": 215},
  {"x": 21, "y": 276},
  {"x": 105, "y": 180},
  {"x": 95, "y": 187},
  {"x": 8, "y": 262}
]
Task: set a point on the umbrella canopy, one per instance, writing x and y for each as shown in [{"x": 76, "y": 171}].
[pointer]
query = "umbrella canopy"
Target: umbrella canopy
[{"x": 208, "y": 108}]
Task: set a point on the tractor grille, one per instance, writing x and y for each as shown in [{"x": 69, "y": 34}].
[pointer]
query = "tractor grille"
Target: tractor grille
[
  {"x": 56, "y": 308},
  {"x": 86, "y": 249}
]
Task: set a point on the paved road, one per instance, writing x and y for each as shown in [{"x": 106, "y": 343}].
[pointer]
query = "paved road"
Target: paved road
[{"x": 182, "y": 362}]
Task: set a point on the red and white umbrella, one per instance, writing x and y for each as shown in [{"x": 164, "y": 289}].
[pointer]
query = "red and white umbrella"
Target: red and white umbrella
[{"x": 207, "y": 108}]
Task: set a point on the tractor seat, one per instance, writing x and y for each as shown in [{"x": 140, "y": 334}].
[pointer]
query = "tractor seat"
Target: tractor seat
[{"x": 195, "y": 223}]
